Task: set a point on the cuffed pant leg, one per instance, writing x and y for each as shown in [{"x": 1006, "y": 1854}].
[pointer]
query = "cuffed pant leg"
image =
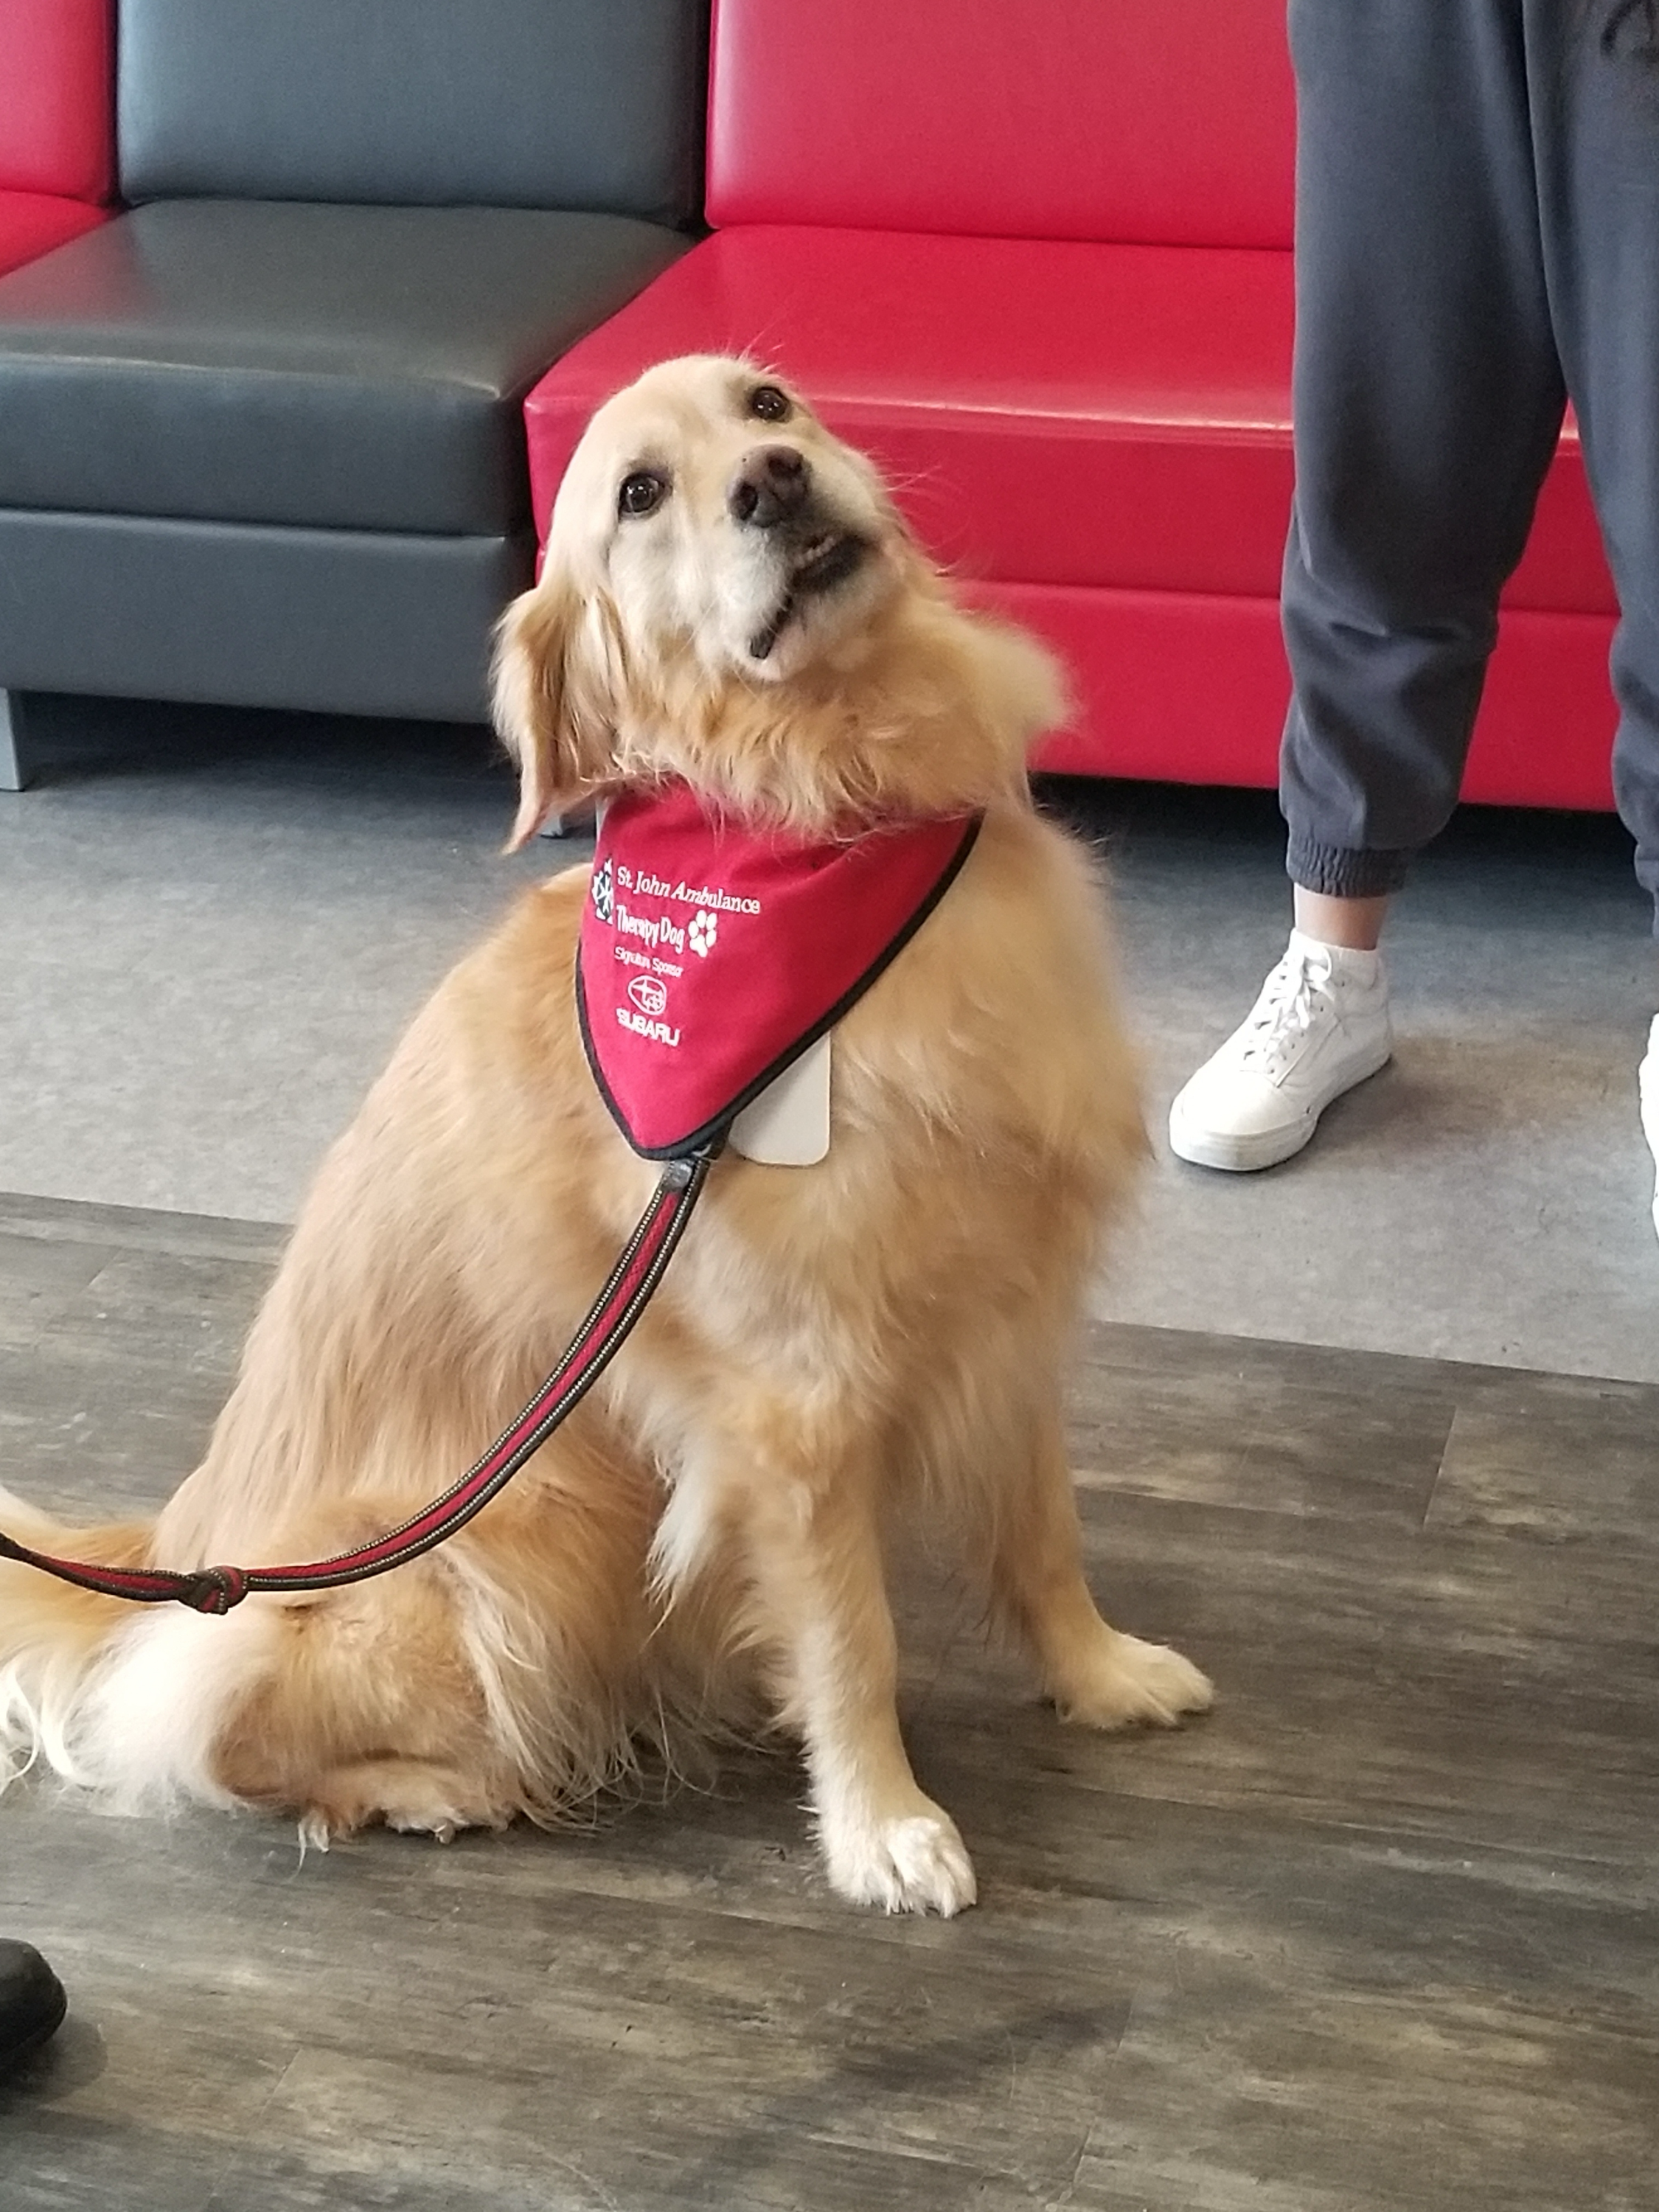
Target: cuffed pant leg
[{"x": 1428, "y": 399}]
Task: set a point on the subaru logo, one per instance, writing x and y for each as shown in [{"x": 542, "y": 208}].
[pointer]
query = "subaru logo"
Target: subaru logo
[{"x": 650, "y": 996}]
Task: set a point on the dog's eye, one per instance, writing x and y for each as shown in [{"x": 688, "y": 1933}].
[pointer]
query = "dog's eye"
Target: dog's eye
[
  {"x": 641, "y": 492},
  {"x": 769, "y": 404}
]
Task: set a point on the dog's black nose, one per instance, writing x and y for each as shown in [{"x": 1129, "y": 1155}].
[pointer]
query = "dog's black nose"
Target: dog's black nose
[{"x": 771, "y": 486}]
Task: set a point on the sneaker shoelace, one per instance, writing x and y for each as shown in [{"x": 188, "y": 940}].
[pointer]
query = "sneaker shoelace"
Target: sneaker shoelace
[{"x": 1282, "y": 1016}]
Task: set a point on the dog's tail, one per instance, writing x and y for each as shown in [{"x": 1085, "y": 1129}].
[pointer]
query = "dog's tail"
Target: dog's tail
[{"x": 113, "y": 1697}]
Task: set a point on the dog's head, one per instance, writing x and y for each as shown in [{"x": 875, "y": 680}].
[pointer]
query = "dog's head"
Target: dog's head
[{"x": 730, "y": 596}]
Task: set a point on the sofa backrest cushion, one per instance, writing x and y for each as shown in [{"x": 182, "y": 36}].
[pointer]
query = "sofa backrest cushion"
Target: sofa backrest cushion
[
  {"x": 56, "y": 130},
  {"x": 1159, "y": 121},
  {"x": 579, "y": 104}
]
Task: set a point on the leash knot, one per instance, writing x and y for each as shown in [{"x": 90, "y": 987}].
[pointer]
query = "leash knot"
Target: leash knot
[{"x": 216, "y": 1590}]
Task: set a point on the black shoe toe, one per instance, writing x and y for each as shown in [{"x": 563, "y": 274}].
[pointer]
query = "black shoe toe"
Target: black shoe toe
[{"x": 32, "y": 2002}]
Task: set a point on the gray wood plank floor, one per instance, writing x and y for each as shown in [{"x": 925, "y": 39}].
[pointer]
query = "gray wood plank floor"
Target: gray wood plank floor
[{"x": 1381, "y": 1933}]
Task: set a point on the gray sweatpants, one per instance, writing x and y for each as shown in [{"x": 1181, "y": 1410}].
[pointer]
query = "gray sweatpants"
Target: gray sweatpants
[{"x": 1477, "y": 237}]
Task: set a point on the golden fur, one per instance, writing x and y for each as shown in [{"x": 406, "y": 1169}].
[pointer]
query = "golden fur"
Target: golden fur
[{"x": 703, "y": 1543}]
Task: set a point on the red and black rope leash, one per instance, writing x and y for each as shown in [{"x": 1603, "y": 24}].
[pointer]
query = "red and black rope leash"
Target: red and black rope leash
[{"x": 627, "y": 1292}]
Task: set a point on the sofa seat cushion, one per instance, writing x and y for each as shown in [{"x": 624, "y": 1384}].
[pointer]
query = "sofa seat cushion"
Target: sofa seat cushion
[
  {"x": 356, "y": 368},
  {"x": 1051, "y": 412},
  {"x": 31, "y": 223}
]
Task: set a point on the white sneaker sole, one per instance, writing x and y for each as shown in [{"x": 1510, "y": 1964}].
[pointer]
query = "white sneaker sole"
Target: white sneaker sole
[{"x": 1264, "y": 1148}]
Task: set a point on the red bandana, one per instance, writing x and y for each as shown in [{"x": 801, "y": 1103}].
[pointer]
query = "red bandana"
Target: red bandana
[{"x": 714, "y": 955}]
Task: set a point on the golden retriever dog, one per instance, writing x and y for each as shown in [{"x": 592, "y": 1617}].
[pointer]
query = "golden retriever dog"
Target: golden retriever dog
[{"x": 702, "y": 1545}]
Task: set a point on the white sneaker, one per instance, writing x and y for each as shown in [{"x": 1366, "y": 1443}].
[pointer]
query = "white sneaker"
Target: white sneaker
[
  {"x": 1647, "y": 1080},
  {"x": 1320, "y": 1026}
]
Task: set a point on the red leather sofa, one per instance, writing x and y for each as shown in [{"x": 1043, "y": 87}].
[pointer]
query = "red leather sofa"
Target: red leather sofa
[
  {"x": 56, "y": 135},
  {"x": 1037, "y": 258}
]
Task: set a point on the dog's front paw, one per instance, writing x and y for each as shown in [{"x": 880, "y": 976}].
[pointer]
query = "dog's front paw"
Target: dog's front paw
[
  {"x": 1131, "y": 1682},
  {"x": 909, "y": 1860}
]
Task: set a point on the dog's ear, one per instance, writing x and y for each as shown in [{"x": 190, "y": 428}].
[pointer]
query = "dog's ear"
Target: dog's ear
[{"x": 557, "y": 680}]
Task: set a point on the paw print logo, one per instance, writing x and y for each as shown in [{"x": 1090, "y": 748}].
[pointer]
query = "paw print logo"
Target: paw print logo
[
  {"x": 603, "y": 892},
  {"x": 703, "y": 929}
]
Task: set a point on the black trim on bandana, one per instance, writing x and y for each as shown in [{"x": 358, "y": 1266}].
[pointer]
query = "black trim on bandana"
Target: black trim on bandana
[{"x": 718, "y": 1124}]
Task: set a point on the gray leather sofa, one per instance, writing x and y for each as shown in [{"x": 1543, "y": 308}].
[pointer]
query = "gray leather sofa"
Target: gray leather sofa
[{"x": 261, "y": 437}]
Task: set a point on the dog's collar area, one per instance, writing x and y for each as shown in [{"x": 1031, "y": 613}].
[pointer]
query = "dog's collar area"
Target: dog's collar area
[{"x": 714, "y": 952}]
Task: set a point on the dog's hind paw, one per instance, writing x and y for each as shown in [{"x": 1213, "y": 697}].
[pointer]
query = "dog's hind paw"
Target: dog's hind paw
[
  {"x": 1135, "y": 1684},
  {"x": 410, "y": 1795},
  {"x": 913, "y": 1863}
]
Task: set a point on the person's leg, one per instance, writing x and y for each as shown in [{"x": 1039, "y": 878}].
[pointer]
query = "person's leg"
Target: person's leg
[
  {"x": 1599, "y": 191},
  {"x": 1427, "y": 400},
  {"x": 1599, "y": 178},
  {"x": 32, "y": 2002},
  {"x": 1353, "y": 923}
]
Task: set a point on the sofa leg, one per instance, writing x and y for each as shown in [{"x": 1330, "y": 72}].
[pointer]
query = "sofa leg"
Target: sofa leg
[{"x": 15, "y": 766}]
